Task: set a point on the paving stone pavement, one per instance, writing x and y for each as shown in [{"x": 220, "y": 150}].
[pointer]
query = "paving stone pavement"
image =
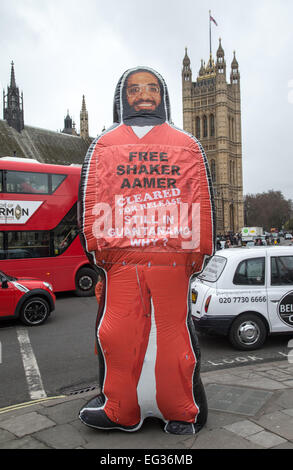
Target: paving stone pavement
[{"x": 54, "y": 423}]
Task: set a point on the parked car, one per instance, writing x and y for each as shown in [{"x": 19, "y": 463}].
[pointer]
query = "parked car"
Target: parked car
[
  {"x": 30, "y": 300},
  {"x": 245, "y": 295},
  {"x": 288, "y": 236}
]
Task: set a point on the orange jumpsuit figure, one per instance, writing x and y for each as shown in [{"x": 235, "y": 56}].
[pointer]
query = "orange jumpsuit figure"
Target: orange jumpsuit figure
[{"x": 147, "y": 221}]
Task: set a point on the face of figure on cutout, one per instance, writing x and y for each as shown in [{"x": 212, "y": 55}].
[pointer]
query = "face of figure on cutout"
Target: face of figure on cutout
[{"x": 143, "y": 91}]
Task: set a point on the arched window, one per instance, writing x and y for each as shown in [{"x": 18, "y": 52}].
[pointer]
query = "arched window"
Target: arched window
[
  {"x": 212, "y": 125},
  {"x": 231, "y": 171},
  {"x": 205, "y": 126},
  {"x": 197, "y": 127},
  {"x": 232, "y": 217},
  {"x": 213, "y": 171}
]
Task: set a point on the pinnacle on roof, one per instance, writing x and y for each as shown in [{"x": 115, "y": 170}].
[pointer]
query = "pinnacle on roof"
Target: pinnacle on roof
[
  {"x": 186, "y": 60},
  {"x": 220, "y": 51},
  {"x": 12, "y": 76},
  {"x": 234, "y": 61},
  {"x": 202, "y": 68},
  {"x": 83, "y": 107}
]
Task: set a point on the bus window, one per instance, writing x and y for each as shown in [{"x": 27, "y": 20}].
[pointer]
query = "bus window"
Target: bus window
[
  {"x": 27, "y": 245},
  {"x": 65, "y": 232},
  {"x": 56, "y": 181},
  {"x": 26, "y": 182},
  {"x": 1, "y": 181}
]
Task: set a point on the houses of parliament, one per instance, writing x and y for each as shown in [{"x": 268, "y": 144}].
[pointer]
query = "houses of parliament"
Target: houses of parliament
[{"x": 211, "y": 112}]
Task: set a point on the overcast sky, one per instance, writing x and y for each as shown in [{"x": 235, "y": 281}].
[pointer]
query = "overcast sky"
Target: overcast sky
[{"x": 62, "y": 50}]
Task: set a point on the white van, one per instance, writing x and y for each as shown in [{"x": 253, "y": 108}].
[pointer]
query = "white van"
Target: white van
[{"x": 245, "y": 294}]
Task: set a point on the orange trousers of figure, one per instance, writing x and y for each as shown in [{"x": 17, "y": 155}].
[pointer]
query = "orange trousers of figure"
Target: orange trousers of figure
[{"x": 123, "y": 334}]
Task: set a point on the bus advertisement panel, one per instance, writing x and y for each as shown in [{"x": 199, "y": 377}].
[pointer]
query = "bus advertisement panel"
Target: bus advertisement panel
[{"x": 38, "y": 225}]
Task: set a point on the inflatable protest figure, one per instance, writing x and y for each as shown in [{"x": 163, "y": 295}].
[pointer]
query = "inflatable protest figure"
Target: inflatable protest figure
[{"x": 147, "y": 221}]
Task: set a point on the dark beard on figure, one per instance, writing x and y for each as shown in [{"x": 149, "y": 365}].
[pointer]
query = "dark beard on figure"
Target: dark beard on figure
[{"x": 144, "y": 117}]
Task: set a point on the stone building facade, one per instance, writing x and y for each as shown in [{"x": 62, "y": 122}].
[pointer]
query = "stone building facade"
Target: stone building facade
[{"x": 212, "y": 113}]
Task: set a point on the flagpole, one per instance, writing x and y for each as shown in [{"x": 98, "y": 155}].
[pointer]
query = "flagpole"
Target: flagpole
[{"x": 210, "y": 35}]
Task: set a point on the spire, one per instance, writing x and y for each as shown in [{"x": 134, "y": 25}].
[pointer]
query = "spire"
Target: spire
[
  {"x": 68, "y": 121},
  {"x": 83, "y": 107},
  {"x": 220, "y": 51},
  {"x": 84, "y": 125},
  {"x": 202, "y": 69},
  {"x": 221, "y": 64},
  {"x": 13, "y": 104},
  {"x": 235, "y": 75},
  {"x": 67, "y": 124},
  {"x": 186, "y": 60},
  {"x": 234, "y": 61},
  {"x": 73, "y": 128},
  {"x": 186, "y": 70},
  {"x": 12, "y": 76}
]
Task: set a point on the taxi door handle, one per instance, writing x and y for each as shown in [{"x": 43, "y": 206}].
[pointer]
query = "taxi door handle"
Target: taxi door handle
[{"x": 274, "y": 301}]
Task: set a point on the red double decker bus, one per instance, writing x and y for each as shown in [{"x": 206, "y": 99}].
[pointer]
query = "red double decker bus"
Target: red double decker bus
[{"x": 38, "y": 225}]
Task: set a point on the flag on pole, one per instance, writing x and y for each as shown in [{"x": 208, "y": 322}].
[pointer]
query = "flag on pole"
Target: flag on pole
[{"x": 213, "y": 19}]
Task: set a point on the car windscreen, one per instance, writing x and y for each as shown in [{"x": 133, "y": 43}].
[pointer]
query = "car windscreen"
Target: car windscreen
[{"x": 214, "y": 269}]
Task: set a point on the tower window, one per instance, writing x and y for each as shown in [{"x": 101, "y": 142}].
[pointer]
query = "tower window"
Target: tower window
[
  {"x": 197, "y": 127},
  {"x": 213, "y": 171},
  {"x": 232, "y": 175},
  {"x": 205, "y": 126},
  {"x": 212, "y": 125}
]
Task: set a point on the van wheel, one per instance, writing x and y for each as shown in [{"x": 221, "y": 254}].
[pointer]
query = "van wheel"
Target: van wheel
[
  {"x": 248, "y": 332},
  {"x": 85, "y": 281},
  {"x": 34, "y": 311}
]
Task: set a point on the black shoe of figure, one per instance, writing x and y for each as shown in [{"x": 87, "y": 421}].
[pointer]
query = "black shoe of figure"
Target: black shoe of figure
[
  {"x": 180, "y": 427},
  {"x": 93, "y": 415}
]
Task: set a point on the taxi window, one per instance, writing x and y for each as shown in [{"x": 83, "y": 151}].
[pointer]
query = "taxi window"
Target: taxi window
[
  {"x": 250, "y": 272},
  {"x": 214, "y": 269},
  {"x": 281, "y": 270}
]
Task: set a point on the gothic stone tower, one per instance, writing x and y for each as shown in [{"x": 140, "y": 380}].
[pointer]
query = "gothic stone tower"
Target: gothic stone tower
[
  {"x": 84, "y": 121},
  {"x": 69, "y": 125},
  {"x": 13, "y": 104},
  {"x": 212, "y": 112}
]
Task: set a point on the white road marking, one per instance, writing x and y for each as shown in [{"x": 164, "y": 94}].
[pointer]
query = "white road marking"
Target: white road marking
[{"x": 31, "y": 368}]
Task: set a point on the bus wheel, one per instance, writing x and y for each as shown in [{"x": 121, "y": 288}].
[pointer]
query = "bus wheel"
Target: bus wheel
[
  {"x": 85, "y": 282},
  {"x": 34, "y": 311}
]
